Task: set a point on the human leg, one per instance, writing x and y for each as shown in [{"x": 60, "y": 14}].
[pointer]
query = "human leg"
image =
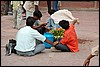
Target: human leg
[
  {"x": 59, "y": 5},
  {"x": 14, "y": 18},
  {"x": 28, "y": 53},
  {"x": 28, "y": 13},
  {"x": 63, "y": 48},
  {"x": 39, "y": 48},
  {"x": 55, "y": 5},
  {"x": 6, "y": 7},
  {"x": 19, "y": 17},
  {"x": 49, "y": 6}
]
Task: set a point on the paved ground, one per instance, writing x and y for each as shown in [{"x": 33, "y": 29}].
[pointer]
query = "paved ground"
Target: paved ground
[{"x": 87, "y": 32}]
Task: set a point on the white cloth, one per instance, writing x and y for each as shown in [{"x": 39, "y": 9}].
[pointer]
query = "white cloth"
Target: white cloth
[
  {"x": 26, "y": 39},
  {"x": 95, "y": 50},
  {"x": 62, "y": 15},
  {"x": 29, "y": 5}
]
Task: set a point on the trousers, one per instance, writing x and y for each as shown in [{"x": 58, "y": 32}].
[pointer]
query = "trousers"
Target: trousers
[{"x": 38, "y": 49}]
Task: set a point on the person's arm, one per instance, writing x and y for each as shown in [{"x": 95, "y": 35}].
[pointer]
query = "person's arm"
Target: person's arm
[
  {"x": 87, "y": 61},
  {"x": 75, "y": 21},
  {"x": 94, "y": 52},
  {"x": 48, "y": 41},
  {"x": 53, "y": 44},
  {"x": 43, "y": 24}
]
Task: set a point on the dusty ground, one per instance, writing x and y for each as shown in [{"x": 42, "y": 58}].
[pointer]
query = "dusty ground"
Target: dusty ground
[{"x": 87, "y": 32}]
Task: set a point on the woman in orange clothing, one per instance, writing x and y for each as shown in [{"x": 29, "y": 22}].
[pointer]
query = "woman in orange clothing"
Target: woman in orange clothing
[{"x": 69, "y": 42}]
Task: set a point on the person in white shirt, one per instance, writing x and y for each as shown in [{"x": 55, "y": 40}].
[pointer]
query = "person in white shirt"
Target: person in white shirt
[
  {"x": 57, "y": 16},
  {"x": 26, "y": 39},
  {"x": 30, "y": 7}
]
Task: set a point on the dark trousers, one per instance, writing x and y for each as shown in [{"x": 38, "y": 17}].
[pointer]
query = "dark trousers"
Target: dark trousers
[
  {"x": 55, "y": 5},
  {"x": 49, "y": 6},
  {"x": 63, "y": 48},
  {"x": 6, "y": 7}
]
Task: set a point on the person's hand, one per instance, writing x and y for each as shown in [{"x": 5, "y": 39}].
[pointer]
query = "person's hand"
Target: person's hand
[
  {"x": 55, "y": 43},
  {"x": 47, "y": 29},
  {"x": 86, "y": 62},
  {"x": 43, "y": 24},
  {"x": 77, "y": 20}
]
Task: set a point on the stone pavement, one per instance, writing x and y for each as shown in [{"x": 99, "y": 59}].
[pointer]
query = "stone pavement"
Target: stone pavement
[{"x": 87, "y": 32}]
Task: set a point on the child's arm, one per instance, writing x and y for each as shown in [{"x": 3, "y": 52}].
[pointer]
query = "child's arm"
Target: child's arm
[{"x": 43, "y": 24}]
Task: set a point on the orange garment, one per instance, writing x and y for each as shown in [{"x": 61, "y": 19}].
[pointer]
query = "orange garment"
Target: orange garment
[{"x": 70, "y": 39}]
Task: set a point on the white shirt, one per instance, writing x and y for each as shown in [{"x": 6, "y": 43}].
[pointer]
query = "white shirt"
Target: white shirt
[
  {"x": 30, "y": 5},
  {"x": 62, "y": 15},
  {"x": 26, "y": 39}
]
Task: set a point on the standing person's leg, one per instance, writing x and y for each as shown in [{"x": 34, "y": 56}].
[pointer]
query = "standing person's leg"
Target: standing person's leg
[
  {"x": 14, "y": 18},
  {"x": 24, "y": 11},
  {"x": 28, "y": 13},
  {"x": 6, "y": 7},
  {"x": 49, "y": 6},
  {"x": 36, "y": 3},
  {"x": 59, "y": 5},
  {"x": 19, "y": 17},
  {"x": 11, "y": 8},
  {"x": 55, "y": 5}
]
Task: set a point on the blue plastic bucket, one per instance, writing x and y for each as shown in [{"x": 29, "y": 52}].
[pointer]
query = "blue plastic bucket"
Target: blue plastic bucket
[{"x": 50, "y": 37}]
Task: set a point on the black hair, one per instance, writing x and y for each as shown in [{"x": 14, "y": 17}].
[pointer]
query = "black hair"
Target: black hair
[
  {"x": 64, "y": 24},
  {"x": 37, "y": 13},
  {"x": 52, "y": 11},
  {"x": 30, "y": 21}
]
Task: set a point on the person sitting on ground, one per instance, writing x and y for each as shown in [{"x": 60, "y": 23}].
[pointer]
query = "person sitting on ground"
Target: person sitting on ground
[
  {"x": 37, "y": 16},
  {"x": 69, "y": 41},
  {"x": 94, "y": 52},
  {"x": 56, "y": 16},
  {"x": 37, "y": 25},
  {"x": 26, "y": 40}
]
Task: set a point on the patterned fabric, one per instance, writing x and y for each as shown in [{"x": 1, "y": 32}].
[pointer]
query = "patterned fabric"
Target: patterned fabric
[{"x": 16, "y": 4}]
